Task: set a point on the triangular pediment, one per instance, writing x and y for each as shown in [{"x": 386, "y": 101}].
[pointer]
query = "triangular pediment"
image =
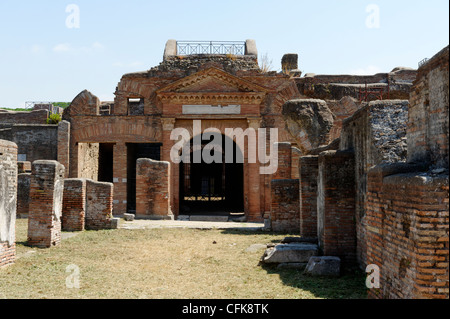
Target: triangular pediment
[{"x": 212, "y": 80}]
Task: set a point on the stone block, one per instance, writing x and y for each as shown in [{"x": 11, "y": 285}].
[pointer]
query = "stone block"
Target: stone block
[
  {"x": 290, "y": 253},
  {"x": 324, "y": 266}
]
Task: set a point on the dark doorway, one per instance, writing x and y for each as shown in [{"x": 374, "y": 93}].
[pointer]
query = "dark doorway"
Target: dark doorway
[
  {"x": 214, "y": 188},
  {"x": 135, "y": 152},
  {"x": 105, "y": 162}
]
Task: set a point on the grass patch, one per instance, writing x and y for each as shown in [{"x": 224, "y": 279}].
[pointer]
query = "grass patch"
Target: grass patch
[{"x": 163, "y": 264}]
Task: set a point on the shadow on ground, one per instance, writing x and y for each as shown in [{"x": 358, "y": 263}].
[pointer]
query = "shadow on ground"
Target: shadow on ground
[{"x": 350, "y": 285}]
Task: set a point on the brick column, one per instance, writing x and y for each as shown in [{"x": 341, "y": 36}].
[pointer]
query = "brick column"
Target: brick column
[
  {"x": 64, "y": 145},
  {"x": 46, "y": 195},
  {"x": 74, "y": 205},
  {"x": 285, "y": 205},
  {"x": 308, "y": 171},
  {"x": 152, "y": 189},
  {"x": 99, "y": 206},
  {"x": 120, "y": 179},
  {"x": 252, "y": 182},
  {"x": 336, "y": 205},
  {"x": 168, "y": 125},
  {"x": 8, "y": 191}
]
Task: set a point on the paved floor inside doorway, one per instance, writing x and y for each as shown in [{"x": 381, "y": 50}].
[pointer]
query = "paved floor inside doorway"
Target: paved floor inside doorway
[{"x": 149, "y": 224}]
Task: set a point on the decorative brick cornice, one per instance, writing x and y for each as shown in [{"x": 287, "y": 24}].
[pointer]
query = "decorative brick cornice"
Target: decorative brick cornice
[{"x": 212, "y": 98}]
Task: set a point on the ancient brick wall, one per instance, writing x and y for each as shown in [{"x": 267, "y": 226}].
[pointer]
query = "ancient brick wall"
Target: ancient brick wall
[
  {"x": 63, "y": 145},
  {"x": 376, "y": 134},
  {"x": 45, "y": 207},
  {"x": 33, "y": 117},
  {"x": 23, "y": 194},
  {"x": 35, "y": 142},
  {"x": 284, "y": 213},
  {"x": 99, "y": 206},
  {"x": 429, "y": 113},
  {"x": 8, "y": 191},
  {"x": 152, "y": 189},
  {"x": 74, "y": 205},
  {"x": 309, "y": 173},
  {"x": 284, "y": 161},
  {"x": 336, "y": 205},
  {"x": 407, "y": 233}
]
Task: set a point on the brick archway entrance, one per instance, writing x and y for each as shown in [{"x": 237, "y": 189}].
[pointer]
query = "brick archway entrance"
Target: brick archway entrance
[{"x": 212, "y": 188}]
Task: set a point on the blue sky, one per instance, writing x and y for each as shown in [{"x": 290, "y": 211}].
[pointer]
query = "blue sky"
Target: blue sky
[{"x": 41, "y": 59}]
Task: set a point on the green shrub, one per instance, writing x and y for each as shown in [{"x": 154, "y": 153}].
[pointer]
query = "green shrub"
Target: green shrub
[{"x": 54, "y": 119}]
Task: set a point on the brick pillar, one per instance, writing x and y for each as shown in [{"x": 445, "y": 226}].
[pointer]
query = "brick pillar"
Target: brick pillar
[
  {"x": 120, "y": 179},
  {"x": 64, "y": 145},
  {"x": 284, "y": 161},
  {"x": 8, "y": 191},
  {"x": 285, "y": 205},
  {"x": 152, "y": 189},
  {"x": 46, "y": 195},
  {"x": 308, "y": 171},
  {"x": 168, "y": 124},
  {"x": 99, "y": 206},
  {"x": 253, "y": 182},
  {"x": 23, "y": 194},
  {"x": 74, "y": 205},
  {"x": 336, "y": 205}
]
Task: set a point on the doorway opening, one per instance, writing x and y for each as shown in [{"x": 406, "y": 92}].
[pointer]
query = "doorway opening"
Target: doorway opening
[
  {"x": 212, "y": 188},
  {"x": 105, "y": 162}
]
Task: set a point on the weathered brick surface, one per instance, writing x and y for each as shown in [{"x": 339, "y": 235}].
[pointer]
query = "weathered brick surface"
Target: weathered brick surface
[
  {"x": 63, "y": 145},
  {"x": 336, "y": 205},
  {"x": 35, "y": 142},
  {"x": 99, "y": 206},
  {"x": 284, "y": 214},
  {"x": 407, "y": 233},
  {"x": 8, "y": 193},
  {"x": 376, "y": 133},
  {"x": 74, "y": 205},
  {"x": 45, "y": 207},
  {"x": 152, "y": 189},
  {"x": 309, "y": 173},
  {"x": 284, "y": 161},
  {"x": 32, "y": 117},
  {"x": 428, "y": 127},
  {"x": 23, "y": 194}
]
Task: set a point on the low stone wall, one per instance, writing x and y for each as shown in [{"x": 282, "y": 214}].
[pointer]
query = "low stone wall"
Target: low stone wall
[
  {"x": 45, "y": 207},
  {"x": 285, "y": 206},
  {"x": 152, "y": 189},
  {"x": 407, "y": 233},
  {"x": 8, "y": 191}
]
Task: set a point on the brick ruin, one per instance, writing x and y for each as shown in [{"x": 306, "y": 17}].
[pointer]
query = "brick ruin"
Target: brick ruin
[
  {"x": 378, "y": 194},
  {"x": 8, "y": 196},
  {"x": 362, "y": 160}
]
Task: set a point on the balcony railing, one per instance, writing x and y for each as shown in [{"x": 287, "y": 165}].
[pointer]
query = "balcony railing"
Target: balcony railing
[{"x": 211, "y": 47}]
